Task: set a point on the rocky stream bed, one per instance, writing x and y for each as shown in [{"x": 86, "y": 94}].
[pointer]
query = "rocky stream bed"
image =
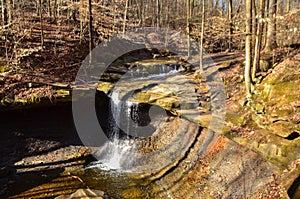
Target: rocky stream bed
[{"x": 254, "y": 155}]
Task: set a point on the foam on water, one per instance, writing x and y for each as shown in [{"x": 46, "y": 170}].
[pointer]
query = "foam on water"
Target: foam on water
[{"x": 118, "y": 153}]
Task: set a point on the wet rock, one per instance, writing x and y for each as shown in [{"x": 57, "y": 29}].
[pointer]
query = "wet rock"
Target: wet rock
[{"x": 179, "y": 93}]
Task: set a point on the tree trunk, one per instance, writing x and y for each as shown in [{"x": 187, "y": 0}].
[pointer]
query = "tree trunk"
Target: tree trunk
[
  {"x": 223, "y": 8},
  {"x": 58, "y": 8},
  {"x": 188, "y": 27},
  {"x": 167, "y": 12},
  {"x": 271, "y": 31},
  {"x": 114, "y": 15},
  {"x": 265, "y": 27},
  {"x": 254, "y": 28},
  {"x": 279, "y": 7},
  {"x": 256, "y": 59},
  {"x": 91, "y": 45},
  {"x": 157, "y": 13},
  {"x": 125, "y": 16},
  {"x": 38, "y": 7},
  {"x": 230, "y": 25},
  {"x": 143, "y": 13},
  {"x": 202, "y": 36},
  {"x": 217, "y": 7},
  {"x": 288, "y": 5},
  {"x": 192, "y": 8},
  {"x": 9, "y": 10},
  {"x": 54, "y": 11},
  {"x": 81, "y": 11},
  {"x": 4, "y": 13},
  {"x": 42, "y": 25},
  {"x": 49, "y": 7},
  {"x": 248, "y": 47}
]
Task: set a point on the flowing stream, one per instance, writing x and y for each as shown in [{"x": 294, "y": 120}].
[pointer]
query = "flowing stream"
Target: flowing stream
[
  {"x": 124, "y": 119},
  {"x": 117, "y": 150},
  {"x": 149, "y": 149}
]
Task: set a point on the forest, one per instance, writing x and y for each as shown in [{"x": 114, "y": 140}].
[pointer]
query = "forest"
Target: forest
[
  {"x": 238, "y": 105},
  {"x": 43, "y": 32}
]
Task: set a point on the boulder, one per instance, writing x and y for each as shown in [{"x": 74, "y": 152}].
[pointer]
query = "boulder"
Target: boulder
[{"x": 84, "y": 194}]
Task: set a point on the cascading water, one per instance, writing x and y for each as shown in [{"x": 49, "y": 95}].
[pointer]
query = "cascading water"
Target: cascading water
[
  {"x": 116, "y": 154},
  {"x": 152, "y": 72},
  {"x": 146, "y": 144},
  {"x": 119, "y": 152}
]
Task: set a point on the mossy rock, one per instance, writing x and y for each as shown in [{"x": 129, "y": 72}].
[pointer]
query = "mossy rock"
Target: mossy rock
[
  {"x": 283, "y": 128},
  {"x": 235, "y": 118}
]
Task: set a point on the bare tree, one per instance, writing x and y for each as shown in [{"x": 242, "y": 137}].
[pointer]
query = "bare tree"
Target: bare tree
[
  {"x": 279, "y": 7},
  {"x": 4, "y": 13},
  {"x": 271, "y": 31},
  {"x": 90, "y": 28},
  {"x": 258, "y": 38},
  {"x": 114, "y": 15},
  {"x": 230, "y": 24},
  {"x": 188, "y": 26},
  {"x": 41, "y": 21},
  {"x": 288, "y": 6},
  {"x": 54, "y": 11},
  {"x": 81, "y": 11},
  {"x": 216, "y": 8},
  {"x": 248, "y": 48},
  {"x": 9, "y": 7},
  {"x": 49, "y": 8},
  {"x": 158, "y": 13},
  {"x": 37, "y": 7},
  {"x": 202, "y": 36},
  {"x": 125, "y": 16},
  {"x": 254, "y": 27}
]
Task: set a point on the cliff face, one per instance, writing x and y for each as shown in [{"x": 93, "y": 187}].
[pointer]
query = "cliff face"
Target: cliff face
[{"x": 270, "y": 124}]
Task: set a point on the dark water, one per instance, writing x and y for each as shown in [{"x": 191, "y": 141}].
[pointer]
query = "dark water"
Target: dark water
[{"x": 41, "y": 130}]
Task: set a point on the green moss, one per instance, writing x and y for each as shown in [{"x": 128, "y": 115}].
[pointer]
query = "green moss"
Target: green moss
[{"x": 235, "y": 118}]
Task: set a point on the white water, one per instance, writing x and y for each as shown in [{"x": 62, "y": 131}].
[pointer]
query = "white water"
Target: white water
[
  {"x": 118, "y": 153},
  {"x": 162, "y": 73},
  {"x": 115, "y": 155}
]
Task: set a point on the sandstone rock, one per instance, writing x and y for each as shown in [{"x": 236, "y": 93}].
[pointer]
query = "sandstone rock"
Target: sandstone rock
[
  {"x": 283, "y": 128},
  {"x": 168, "y": 103},
  {"x": 84, "y": 194}
]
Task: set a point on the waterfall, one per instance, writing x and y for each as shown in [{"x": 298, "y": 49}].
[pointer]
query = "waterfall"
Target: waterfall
[
  {"x": 117, "y": 153},
  {"x": 120, "y": 151},
  {"x": 150, "y": 72}
]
